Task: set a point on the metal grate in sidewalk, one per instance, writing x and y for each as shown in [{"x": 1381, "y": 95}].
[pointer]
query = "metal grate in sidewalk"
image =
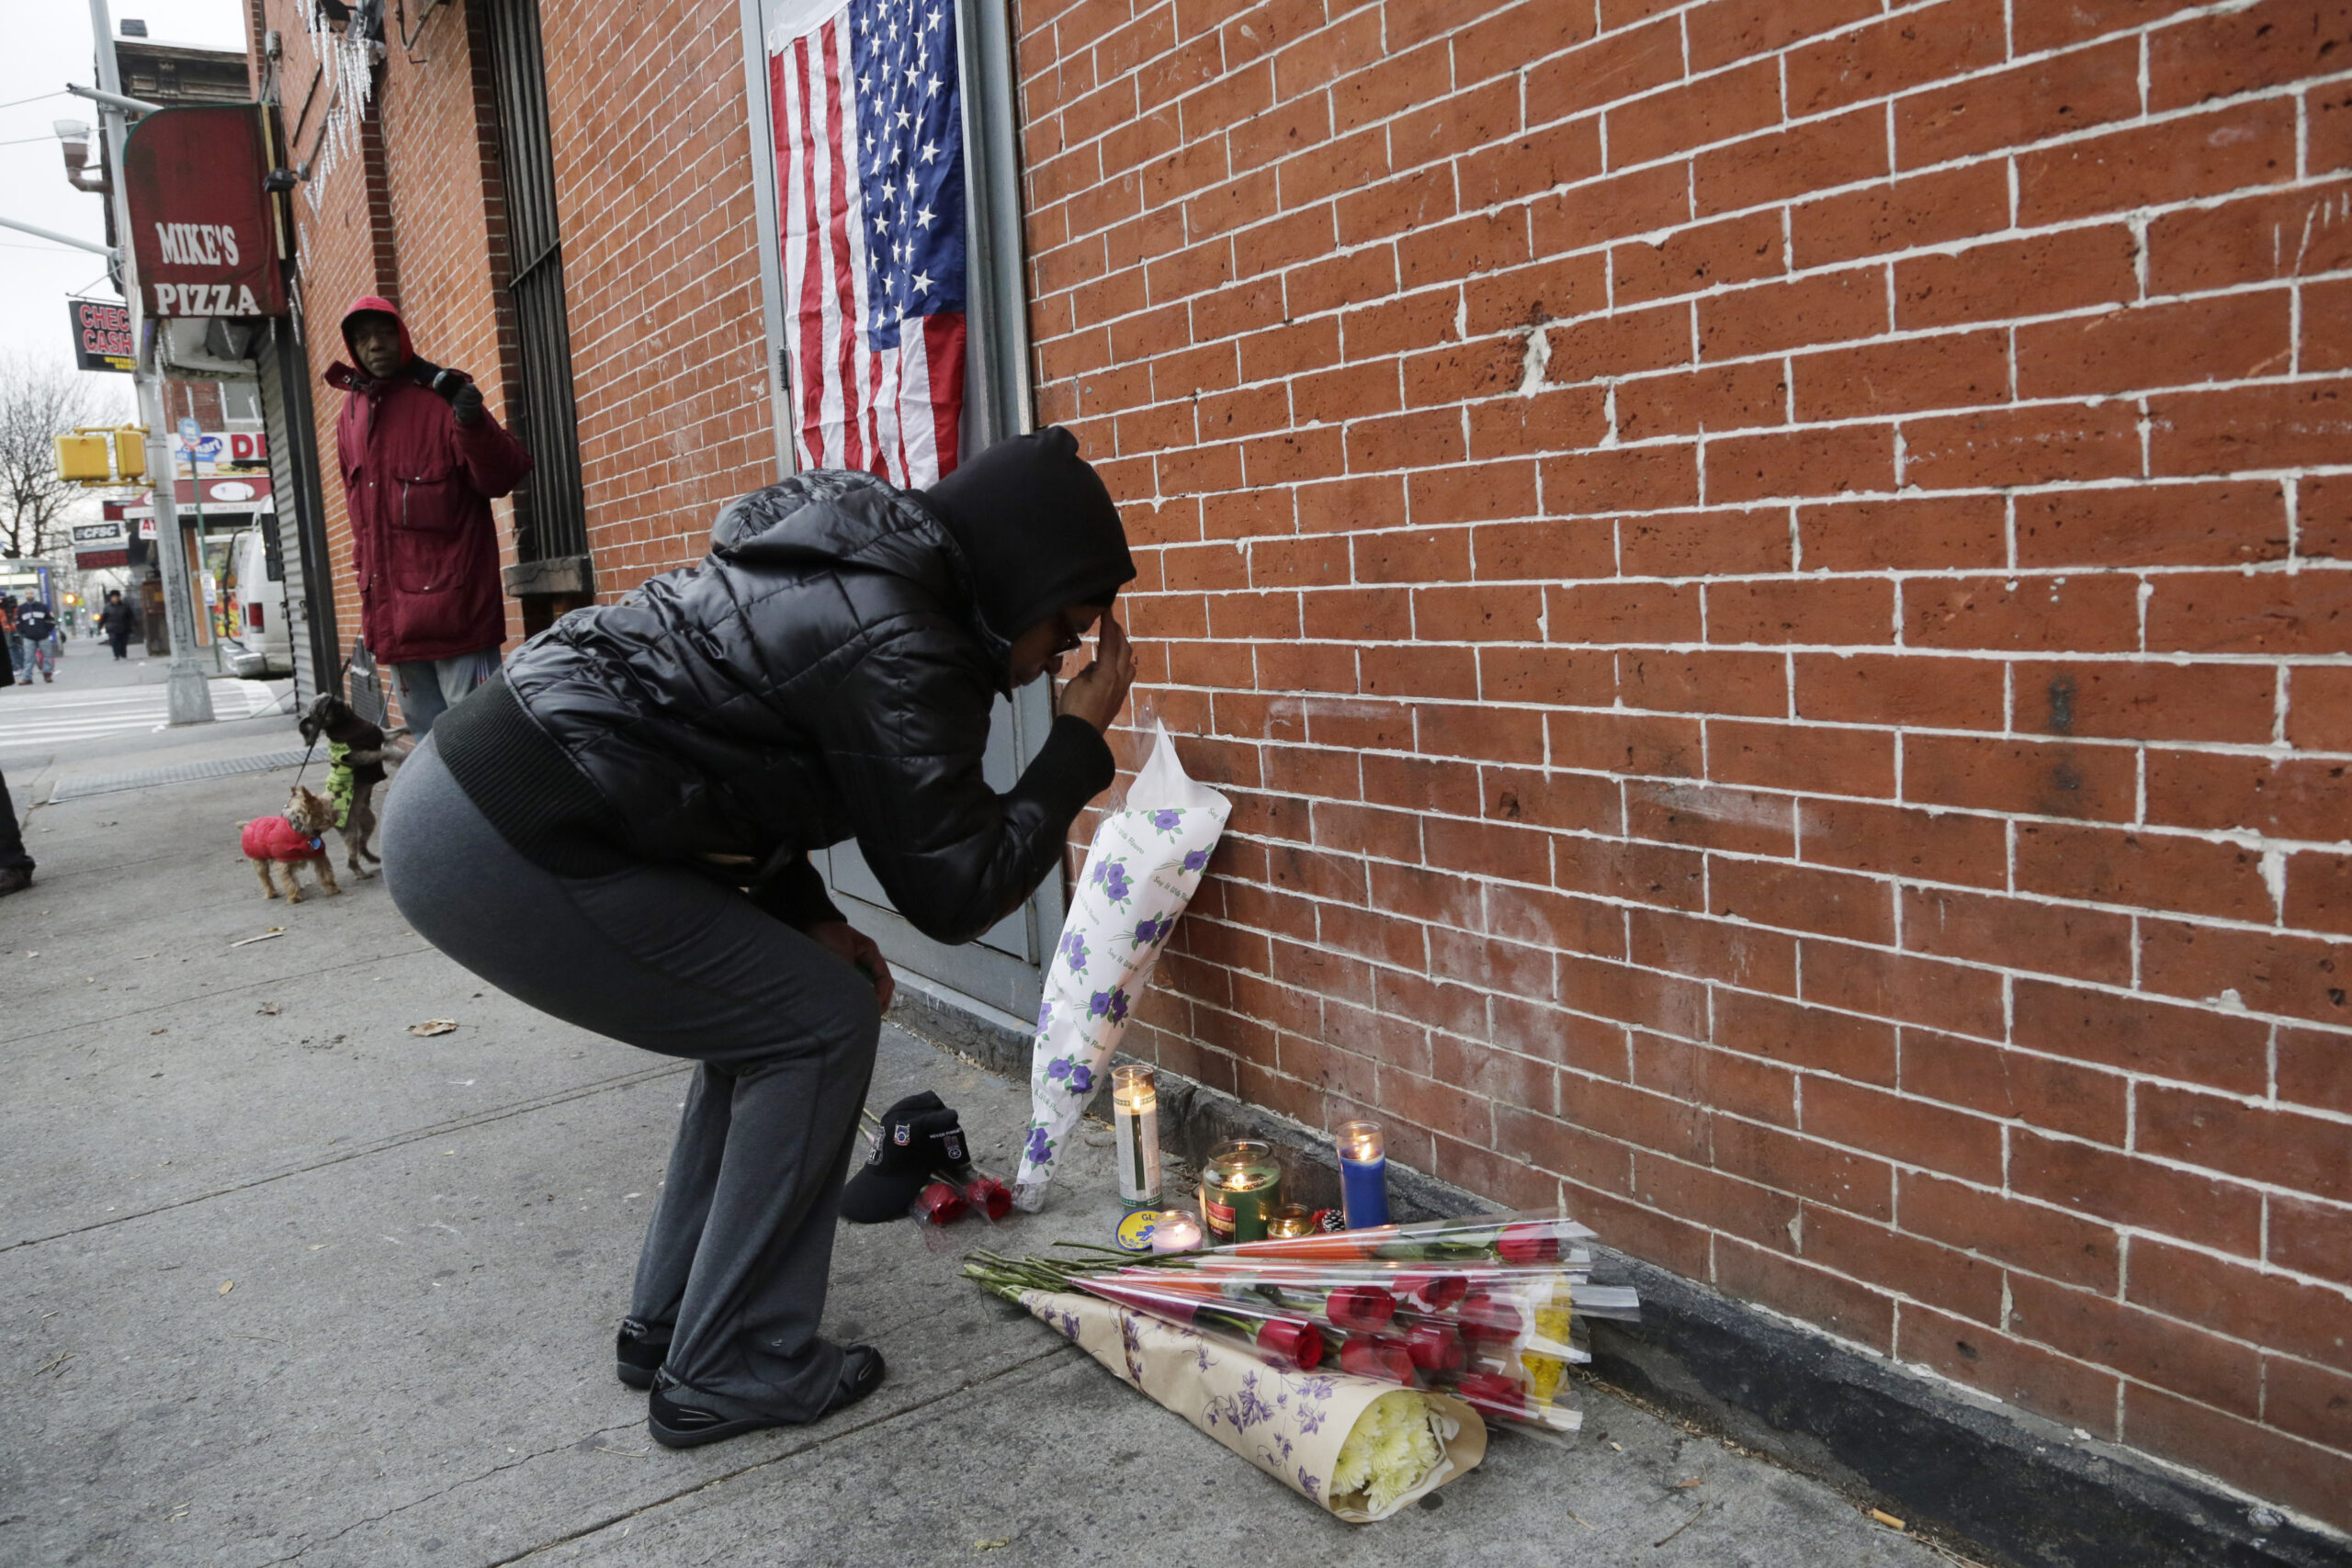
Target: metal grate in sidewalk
[{"x": 183, "y": 772}]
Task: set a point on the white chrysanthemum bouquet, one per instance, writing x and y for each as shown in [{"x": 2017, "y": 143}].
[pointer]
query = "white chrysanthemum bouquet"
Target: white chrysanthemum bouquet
[{"x": 1394, "y": 1444}]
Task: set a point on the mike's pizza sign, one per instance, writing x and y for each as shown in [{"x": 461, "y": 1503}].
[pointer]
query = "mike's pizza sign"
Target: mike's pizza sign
[{"x": 205, "y": 232}]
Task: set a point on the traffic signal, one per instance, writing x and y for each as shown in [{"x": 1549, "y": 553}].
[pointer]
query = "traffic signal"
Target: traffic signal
[
  {"x": 129, "y": 452},
  {"x": 86, "y": 458},
  {"x": 103, "y": 457}
]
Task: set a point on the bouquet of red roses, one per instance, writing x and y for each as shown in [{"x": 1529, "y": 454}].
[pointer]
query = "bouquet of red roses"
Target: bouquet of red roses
[{"x": 1487, "y": 1309}]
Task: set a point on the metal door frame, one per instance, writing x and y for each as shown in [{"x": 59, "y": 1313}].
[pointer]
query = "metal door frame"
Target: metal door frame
[{"x": 997, "y": 404}]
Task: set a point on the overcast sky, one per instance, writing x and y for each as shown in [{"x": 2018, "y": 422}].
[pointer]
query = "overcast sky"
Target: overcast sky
[{"x": 48, "y": 44}]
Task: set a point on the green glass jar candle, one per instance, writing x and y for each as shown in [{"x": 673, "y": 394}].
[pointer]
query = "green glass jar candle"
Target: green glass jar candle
[{"x": 1241, "y": 1186}]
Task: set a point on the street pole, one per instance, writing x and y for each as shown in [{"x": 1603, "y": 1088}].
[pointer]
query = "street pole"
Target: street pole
[
  {"x": 187, "y": 698},
  {"x": 197, "y": 567}
]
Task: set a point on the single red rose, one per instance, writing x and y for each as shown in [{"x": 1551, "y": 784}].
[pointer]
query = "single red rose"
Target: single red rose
[
  {"x": 1377, "y": 1356},
  {"x": 1301, "y": 1344},
  {"x": 1433, "y": 1292},
  {"x": 1528, "y": 1243},
  {"x": 1434, "y": 1346},
  {"x": 1494, "y": 1393},
  {"x": 939, "y": 1204},
  {"x": 1486, "y": 1321},
  {"x": 1361, "y": 1307},
  {"x": 990, "y": 1196}
]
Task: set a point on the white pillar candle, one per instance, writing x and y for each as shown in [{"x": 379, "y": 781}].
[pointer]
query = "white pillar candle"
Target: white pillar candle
[{"x": 1134, "y": 1108}]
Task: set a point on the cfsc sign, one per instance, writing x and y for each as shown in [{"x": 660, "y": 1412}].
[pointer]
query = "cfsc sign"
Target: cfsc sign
[{"x": 205, "y": 232}]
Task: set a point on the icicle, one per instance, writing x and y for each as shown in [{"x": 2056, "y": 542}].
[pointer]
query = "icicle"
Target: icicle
[{"x": 348, "y": 77}]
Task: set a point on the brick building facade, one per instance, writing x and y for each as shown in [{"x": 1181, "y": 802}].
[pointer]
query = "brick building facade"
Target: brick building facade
[{"x": 1772, "y": 581}]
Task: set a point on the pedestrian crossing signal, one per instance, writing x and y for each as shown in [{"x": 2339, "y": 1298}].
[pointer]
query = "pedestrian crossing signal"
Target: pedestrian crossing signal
[
  {"x": 84, "y": 458},
  {"x": 103, "y": 457}
]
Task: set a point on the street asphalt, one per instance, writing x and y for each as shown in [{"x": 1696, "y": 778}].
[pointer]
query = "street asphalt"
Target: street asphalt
[{"x": 282, "y": 1281}]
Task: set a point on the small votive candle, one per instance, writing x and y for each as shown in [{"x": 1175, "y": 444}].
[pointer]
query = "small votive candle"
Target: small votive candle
[
  {"x": 1290, "y": 1220},
  {"x": 1134, "y": 1108},
  {"x": 1364, "y": 1173},
  {"x": 1177, "y": 1230},
  {"x": 1240, "y": 1184}
]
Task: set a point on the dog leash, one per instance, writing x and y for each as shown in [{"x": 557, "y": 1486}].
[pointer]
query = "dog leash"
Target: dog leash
[{"x": 306, "y": 760}]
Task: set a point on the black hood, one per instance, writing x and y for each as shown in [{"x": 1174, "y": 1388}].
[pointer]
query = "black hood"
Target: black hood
[
  {"x": 830, "y": 517},
  {"x": 1037, "y": 527}
]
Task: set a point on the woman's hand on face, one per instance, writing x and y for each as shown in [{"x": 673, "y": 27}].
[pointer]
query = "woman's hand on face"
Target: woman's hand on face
[
  {"x": 853, "y": 947},
  {"x": 1097, "y": 692}
]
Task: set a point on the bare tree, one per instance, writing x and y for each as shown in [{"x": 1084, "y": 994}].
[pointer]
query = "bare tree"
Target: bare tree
[{"x": 39, "y": 401}]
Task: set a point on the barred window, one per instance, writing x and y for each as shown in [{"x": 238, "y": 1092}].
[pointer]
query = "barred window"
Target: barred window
[{"x": 551, "y": 517}]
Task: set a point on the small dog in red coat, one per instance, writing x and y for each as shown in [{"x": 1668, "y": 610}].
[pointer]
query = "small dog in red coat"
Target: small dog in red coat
[{"x": 292, "y": 840}]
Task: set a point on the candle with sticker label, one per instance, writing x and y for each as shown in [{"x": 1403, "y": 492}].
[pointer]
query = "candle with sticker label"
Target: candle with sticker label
[
  {"x": 1135, "y": 1107},
  {"x": 1242, "y": 1183}
]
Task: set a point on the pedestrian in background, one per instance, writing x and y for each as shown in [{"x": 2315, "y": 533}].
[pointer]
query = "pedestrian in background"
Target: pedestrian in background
[
  {"x": 16, "y": 867},
  {"x": 118, "y": 620},
  {"x": 37, "y": 629},
  {"x": 422, "y": 459},
  {"x": 16, "y": 643}
]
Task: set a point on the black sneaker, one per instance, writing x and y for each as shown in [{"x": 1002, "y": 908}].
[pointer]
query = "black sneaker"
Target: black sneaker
[
  {"x": 682, "y": 1417},
  {"x": 14, "y": 879},
  {"x": 637, "y": 1354}
]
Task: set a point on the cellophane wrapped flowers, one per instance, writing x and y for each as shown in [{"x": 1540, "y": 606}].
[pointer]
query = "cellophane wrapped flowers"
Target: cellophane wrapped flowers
[
  {"x": 1486, "y": 1308},
  {"x": 1358, "y": 1448}
]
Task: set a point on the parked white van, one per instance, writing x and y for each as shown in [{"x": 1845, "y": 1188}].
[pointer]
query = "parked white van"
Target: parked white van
[{"x": 264, "y": 647}]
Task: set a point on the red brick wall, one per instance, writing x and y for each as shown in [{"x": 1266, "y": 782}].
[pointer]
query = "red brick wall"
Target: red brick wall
[
  {"x": 335, "y": 260},
  {"x": 199, "y": 401},
  {"x": 1764, "y": 578},
  {"x": 406, "y": 213},
  {"x": 1770, "y": 581},
  {"x": 661, "y": 261},
  {"x": 661, "y": 268}
]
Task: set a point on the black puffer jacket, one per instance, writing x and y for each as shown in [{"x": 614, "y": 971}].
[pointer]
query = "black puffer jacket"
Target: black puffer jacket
[{"x": 825, "y": 672}]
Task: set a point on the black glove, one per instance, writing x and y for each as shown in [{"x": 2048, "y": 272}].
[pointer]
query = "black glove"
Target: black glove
[{"x": 467, "y": 403}]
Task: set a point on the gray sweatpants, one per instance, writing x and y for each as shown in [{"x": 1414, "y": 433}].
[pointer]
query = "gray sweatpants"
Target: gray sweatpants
[{"x": 736, "y": 1257}]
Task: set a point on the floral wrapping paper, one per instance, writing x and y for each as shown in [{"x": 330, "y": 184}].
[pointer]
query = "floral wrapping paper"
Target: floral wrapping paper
[
  {"x": 1289, "y": 1424},
  {"x": 1145, "y": 862}
]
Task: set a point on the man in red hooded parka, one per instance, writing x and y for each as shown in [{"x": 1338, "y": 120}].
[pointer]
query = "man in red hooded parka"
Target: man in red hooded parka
[{"x": 421, "y": 459}]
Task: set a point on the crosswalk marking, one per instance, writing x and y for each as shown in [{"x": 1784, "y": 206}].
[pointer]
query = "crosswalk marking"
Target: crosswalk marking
[{"x": 44, "y": 718}]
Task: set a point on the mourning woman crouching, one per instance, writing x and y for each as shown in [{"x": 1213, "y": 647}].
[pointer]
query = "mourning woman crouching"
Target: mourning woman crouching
[{"x": 578, "y": 832}]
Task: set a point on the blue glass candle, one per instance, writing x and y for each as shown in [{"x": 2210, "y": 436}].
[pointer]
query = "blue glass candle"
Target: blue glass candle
[{"x": 1364, "y": 1173}]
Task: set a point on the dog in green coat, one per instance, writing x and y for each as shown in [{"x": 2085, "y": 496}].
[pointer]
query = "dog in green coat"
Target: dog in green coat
[{"x": 359, "y": 755}]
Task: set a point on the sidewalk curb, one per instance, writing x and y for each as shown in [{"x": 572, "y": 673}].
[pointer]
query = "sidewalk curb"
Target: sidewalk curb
[{"x": 2006, "y": 1485}]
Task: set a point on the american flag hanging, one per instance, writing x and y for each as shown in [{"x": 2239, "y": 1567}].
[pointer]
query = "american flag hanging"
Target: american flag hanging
[{"x": 869, "y": 137}]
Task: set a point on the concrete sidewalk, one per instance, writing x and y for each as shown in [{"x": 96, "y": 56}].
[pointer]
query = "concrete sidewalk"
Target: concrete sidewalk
[{"x": 283, "y": 1282}]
